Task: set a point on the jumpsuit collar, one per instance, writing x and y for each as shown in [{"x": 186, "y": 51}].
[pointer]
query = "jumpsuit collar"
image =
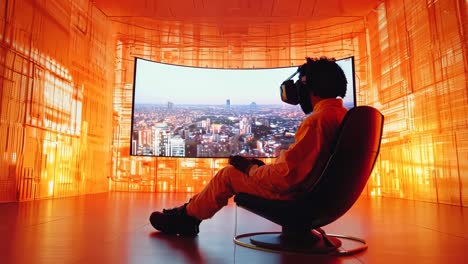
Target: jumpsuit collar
[{"x": 328, "y": 102}]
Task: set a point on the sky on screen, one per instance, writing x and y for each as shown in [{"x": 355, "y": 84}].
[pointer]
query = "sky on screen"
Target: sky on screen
[{"x": 159, "y": 83}]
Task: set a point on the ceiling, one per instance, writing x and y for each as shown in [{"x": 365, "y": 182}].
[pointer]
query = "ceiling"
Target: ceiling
[
  {"x": 224, "y": 32},
  {"x": 235, "y": 11}
]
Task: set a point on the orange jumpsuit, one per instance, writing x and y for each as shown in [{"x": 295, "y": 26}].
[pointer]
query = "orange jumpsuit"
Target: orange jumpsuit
[{"x": 286, "y": 177}]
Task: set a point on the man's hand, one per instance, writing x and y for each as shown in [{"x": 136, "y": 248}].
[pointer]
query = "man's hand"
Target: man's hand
[
  {"x": 240, "y": 163},
  {"x": 257, "y": 162},
  {"x": 243, "y": 164}
]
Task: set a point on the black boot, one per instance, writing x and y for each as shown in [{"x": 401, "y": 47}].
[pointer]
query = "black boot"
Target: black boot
[{"x": 175, "y": 221}]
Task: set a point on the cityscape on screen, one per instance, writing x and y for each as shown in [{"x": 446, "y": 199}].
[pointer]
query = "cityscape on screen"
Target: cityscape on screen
[{"x": 170, "y": 119}]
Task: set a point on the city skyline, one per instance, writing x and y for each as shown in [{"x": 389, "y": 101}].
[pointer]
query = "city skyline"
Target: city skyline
[
  {"x": 234, "y": 112},
  {"x": 253, "y": 131}
]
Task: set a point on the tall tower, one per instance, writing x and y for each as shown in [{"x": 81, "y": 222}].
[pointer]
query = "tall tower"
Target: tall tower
[
  {"x": 135, "y": 141},
  {"x": 228, "y": 104},
  {"x": 161, "y": 140},
  {"x": 253, "y": 107},
  {"x": 170, "y": 105}
]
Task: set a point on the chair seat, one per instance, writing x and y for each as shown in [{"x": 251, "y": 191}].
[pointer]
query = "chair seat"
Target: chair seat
[{"x": 282, "y": 212}]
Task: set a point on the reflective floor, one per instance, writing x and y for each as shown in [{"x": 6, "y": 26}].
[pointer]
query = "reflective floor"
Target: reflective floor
[{"x": 113, "y": 228}]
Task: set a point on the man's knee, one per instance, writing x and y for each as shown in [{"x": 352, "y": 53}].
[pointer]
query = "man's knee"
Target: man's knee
[
  {"x": 226, "y": 173},
  {"x": 229, "y": 170}
]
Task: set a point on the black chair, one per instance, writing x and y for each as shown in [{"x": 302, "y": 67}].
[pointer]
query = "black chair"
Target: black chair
[{"x": 339, "y": 186}]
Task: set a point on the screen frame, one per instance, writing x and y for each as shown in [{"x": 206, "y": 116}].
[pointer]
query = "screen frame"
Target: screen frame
[{"x": 353, "y": 86}]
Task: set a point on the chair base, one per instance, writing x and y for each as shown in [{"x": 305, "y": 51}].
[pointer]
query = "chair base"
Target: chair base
[{"x": 274, "y": 242}]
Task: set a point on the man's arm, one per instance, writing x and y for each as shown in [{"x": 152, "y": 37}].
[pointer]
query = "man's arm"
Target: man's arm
[{"x": 293, "y": 164}]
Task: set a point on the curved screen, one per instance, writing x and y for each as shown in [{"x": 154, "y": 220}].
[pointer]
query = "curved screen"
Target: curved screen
[{"x": 181, "y": 111}]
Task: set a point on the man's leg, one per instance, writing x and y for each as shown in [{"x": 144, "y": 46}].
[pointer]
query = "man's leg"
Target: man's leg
[
  {"x": 226, "y": 183},
  {"x": 184, "y": 220}
]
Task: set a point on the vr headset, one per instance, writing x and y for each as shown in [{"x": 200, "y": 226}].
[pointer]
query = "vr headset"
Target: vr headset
[{"x": 295, "y": 93}]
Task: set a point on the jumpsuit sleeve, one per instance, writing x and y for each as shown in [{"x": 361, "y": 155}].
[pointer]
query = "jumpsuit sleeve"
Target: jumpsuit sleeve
[{"x": 286, "y": 169}]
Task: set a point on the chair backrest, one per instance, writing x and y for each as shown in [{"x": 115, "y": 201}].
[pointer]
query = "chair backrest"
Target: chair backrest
[
  {"x": 349, "y": 167},
  {"x": 341, "y": 182}
]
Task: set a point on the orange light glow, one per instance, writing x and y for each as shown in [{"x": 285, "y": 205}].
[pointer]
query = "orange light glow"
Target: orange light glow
[{"x": 66, "y": 86}]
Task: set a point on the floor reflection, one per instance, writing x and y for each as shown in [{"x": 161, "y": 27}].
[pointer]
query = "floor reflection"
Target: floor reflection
[{"x": 187, "y": 246}]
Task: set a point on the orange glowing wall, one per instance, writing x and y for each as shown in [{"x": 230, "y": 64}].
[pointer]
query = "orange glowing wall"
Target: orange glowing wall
[
  {"x": 418, "y": 63},
  {"x": 55, "y": 99},
  {"x": 66, "y": 76},
  {"x": 202, "y": 45}
]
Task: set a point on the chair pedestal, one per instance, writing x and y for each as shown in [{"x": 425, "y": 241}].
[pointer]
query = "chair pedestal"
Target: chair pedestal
[{"x": 309, "y": 244}]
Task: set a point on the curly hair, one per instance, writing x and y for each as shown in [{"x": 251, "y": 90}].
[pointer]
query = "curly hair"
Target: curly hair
[{"x": 324, "y": 77}]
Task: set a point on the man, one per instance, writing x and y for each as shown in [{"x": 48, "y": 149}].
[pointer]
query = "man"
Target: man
[{"x": 295, "y": 170}]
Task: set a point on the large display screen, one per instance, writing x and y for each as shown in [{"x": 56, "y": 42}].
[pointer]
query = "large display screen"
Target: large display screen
[{"x": 181, "y": 111}]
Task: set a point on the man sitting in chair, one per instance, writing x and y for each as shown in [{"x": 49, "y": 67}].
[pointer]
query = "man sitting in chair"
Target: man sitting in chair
[{"x": 321, "y": 82}]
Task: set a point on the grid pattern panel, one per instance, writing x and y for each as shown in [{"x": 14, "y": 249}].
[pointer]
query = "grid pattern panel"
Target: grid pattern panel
[{"x": 66, "y": 75}]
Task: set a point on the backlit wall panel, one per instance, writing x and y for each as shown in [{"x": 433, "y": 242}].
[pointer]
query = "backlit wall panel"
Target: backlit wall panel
[
  {"x": 55, "y": 99},
  {"x": 206, "y": 46},
  {"x": 411, "y": 64},
  {"x": 418, "y": 57},
  {"x": 66, "y": 75}
]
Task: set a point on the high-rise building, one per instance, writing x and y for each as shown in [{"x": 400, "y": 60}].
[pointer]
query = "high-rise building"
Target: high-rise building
[
  {"x": 134, "y": 147},
  {"x": 170, "y": 105},
  {"x": 162, "y": 137},
  {"x": 253, "y": 107},
  {"x": 244, "y": 126},
  {"x": 228, "y": 104},
  {"x": 177, "y": 147},
  {"x": 145, "y": 137},
  {"x": 248, "y": 129}
]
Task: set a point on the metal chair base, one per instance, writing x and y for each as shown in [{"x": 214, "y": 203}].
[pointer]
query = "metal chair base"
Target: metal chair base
[{"x": 273, "y": 242}]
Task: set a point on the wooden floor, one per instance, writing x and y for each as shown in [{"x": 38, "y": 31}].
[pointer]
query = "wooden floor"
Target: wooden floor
[{"x": 113, "y": 228}]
